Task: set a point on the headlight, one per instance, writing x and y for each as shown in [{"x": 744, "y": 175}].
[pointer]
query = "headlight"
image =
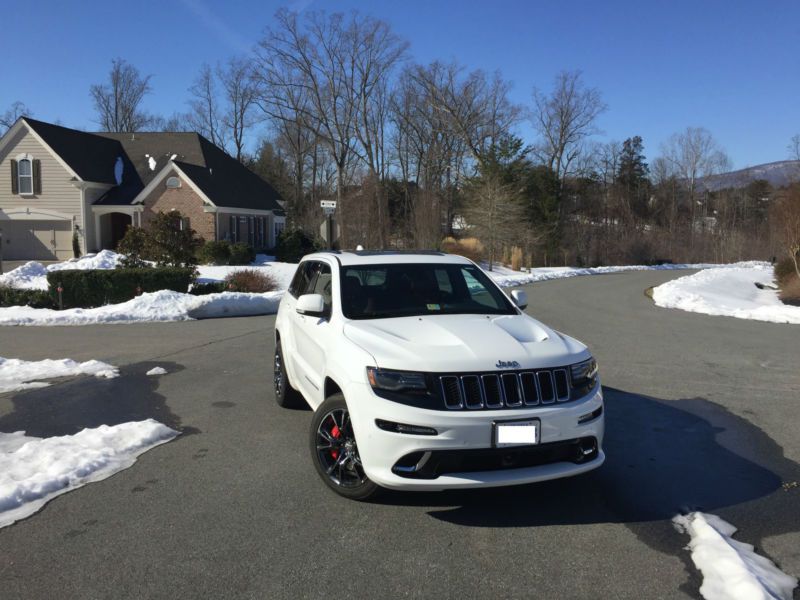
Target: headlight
[
  {"x": 584, "y": 373},
  {"x": 396, "y": 381}
]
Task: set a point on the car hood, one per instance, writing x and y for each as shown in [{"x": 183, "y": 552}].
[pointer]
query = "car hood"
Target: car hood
[{"x": 452, "y": 343}]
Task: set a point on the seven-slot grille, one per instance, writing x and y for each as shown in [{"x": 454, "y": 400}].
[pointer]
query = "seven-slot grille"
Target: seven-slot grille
[{"x": 504, "y": 390}]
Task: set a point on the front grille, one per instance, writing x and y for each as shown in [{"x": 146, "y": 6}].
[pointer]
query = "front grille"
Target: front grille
[{"x": 504, "y": 390}]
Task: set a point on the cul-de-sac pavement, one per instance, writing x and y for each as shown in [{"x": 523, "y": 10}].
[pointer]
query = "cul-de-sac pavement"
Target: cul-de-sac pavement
[{"x": 702, "y": 414}]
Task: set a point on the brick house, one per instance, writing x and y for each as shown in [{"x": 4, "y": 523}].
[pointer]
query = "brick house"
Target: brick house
[{"x": 56, "y": 181}]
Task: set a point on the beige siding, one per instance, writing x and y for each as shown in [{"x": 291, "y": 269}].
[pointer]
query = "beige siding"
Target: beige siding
[{"x": 58, "y": 194}]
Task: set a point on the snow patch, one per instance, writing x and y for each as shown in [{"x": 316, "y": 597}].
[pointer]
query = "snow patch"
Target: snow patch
[
  {"x": 151, "y": 162},
  {"x": 731, "y": 569},
  {"x": 16, "y": 374},
  {"x": 728, "y": 292},
  {"x": 156, "y": 371},
  {"x": 164, "y": 305},
  {"x": 33, "y": 275},
  {"x": 33, "y": 471},
  {"x": 506, "y": 277},
  {"x": 118, "y": 167}
]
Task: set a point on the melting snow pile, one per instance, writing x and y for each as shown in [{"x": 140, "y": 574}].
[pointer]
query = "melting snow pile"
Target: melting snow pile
[
  {"x": 33, "y": 471},
  {"x": 506, "y": 277},
  {"x": 731, "y": 570},
  {"x": 18, "y": 374},
  {"x": 728, "y": 292},
  {"x": 156, "y": 371},
  {"x": 33, "y": 275},
  {"x": 164, "y": 305}
]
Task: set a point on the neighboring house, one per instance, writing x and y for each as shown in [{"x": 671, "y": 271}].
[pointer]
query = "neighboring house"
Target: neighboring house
[{"x": 55, "y": 181}]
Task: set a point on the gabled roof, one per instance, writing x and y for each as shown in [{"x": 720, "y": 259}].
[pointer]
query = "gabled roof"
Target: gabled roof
[
  {"x": 91, "y": 156},
  {"x": 222, "y": 178}
]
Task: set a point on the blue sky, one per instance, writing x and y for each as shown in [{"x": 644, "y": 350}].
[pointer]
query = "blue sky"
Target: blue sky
[{"x": 730, "y": 66}]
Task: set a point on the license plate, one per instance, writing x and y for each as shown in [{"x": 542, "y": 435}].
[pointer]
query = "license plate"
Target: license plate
[{"x": 515, "y": 433}]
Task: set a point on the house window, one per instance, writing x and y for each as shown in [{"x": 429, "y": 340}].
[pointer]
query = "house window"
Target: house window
[
  {"x": 25, "y": 176},
  {"x": 279, "y": 225},
  {"x": 234, "y": 232}
]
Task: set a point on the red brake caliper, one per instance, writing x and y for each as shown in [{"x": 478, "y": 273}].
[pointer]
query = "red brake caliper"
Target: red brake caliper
[{"x": 335, "y": 432}]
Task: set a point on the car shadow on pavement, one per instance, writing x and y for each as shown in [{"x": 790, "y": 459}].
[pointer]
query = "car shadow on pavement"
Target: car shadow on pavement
[
  {"x": 662, "y": 458},
  {"x": 70, "y": 405}
]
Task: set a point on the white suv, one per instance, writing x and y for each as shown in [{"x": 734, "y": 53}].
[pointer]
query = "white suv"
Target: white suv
[{"x": 424, "y": 375}]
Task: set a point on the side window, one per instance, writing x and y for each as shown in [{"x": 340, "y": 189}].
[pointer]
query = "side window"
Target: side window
[
  {"x": 323, "y": 283},
  {"x": 301, "y": 282}
]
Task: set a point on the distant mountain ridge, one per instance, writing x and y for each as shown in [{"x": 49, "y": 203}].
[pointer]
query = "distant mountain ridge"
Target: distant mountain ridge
[{"x": 778, "y": 174}]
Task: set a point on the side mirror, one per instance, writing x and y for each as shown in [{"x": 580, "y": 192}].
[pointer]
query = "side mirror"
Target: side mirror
[
  {"x": 312, "y": 305},
  {"x": 520, "y": 298}
]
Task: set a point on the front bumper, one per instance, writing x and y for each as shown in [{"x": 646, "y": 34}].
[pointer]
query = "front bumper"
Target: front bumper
[{"x": 470, "y": 431}]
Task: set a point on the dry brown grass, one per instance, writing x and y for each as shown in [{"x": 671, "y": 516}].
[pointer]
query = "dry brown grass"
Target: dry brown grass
[
  {"x": 516, "y": 258},
  {"x": 472, "y": 248},
  {"x": 250, "y": 280}
]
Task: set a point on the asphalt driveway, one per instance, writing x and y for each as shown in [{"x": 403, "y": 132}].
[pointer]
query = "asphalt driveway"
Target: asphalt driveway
[{"x": 702, "y": 413}]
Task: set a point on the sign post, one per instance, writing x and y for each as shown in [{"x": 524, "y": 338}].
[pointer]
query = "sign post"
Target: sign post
[{"x": 328, "y": 207}]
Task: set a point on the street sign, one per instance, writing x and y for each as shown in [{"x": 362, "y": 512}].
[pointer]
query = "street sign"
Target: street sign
[
  {"x": 323, "y": 231},
  {"x": 328, "y": 210},
  {"x": 327, "y": 203}
]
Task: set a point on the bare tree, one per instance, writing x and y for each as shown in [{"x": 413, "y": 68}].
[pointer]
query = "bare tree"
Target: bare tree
[
  {"x": 10, "y": 116},
  {"x": 204, "y": 116},
  {"x": 786, "y": 217},
  {"x": 695, "y": 154},
  {"x": 117, "y": 102},
  {"x": 794, "y": 147},
  {"x": 495, "y": 215},
  {"x": 564, "y": 119},
  {"x": 240, "y": 96},
  {"x": 341, "y": 64}
]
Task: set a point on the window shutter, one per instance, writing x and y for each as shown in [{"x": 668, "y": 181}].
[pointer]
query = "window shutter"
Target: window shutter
[
  {"x": 14, "y": 178},
  {"x": 37, "y": 176}
]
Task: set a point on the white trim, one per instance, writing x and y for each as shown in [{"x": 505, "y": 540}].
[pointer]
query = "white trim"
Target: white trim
[
  {"x": 26, "y": 213},
  {"x": 20, "y": 158},
  {"x": 193, "y": 185},
  {"x": 239, "y": 211},
  {"x": 153, "y": 183},
  {"x": 105, "y": 209},
  {"x": 6, "y": 138}
]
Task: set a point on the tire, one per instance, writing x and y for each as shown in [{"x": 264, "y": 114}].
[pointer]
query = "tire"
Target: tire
[
  {"x": 285, "y": 395},
  {"x": 334, "y": 451}
]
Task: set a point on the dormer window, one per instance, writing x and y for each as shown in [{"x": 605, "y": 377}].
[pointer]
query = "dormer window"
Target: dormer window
[{"x": 25, "y": 176}]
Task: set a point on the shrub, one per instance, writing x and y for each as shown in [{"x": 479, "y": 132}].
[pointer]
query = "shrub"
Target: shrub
[
  {"x": 76, "y": 245},
  {"x": 96, "y": 287},
  {"x": 241, "y": 254},
  {"x": 784, "y": 271},
  {"x": 250, "y": 280},
  {"x": 471, "y": 248},
  {"x": 214, "y": 253},
  {"x": 169, "y": 241},
  {"x": 16, "y": 297},
  {"x": 213, "y": 287},
  {"x": 790, "y": 290},
  {"x": 132, "y": 246},
  {"x": 294, "y": 245}
]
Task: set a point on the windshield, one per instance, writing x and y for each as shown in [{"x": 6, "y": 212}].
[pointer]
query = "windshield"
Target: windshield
[{"x": 401, "y": 290}]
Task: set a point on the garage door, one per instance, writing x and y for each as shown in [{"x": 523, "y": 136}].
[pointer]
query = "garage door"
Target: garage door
[{"x": 36, "y": 240}]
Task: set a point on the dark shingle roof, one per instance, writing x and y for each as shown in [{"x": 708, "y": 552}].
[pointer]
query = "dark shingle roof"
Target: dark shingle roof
[
  {"x": 91, "y": 156},
  {"x": 222, "y": 178}
]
